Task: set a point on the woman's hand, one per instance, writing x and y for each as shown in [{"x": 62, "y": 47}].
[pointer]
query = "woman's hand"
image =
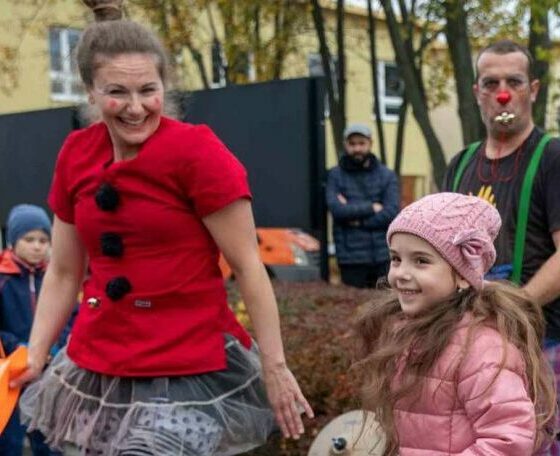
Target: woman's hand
[
  {"x": 286, "y": 399},
  {"x": 35, "y": 365},
  {"x": 233, "y": 229}
]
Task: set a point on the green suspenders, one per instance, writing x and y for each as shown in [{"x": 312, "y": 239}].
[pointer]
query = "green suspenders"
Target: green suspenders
[
  {"x": 524, "y": 200},
  {"x": 465, "y": 159}
]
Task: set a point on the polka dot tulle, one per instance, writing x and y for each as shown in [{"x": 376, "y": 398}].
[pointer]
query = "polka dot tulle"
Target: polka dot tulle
[{"x": 219, "y": 413}]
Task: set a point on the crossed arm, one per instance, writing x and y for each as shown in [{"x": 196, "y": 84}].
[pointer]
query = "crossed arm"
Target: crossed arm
[
  {"x": 342, "y": 209},
  {"x": 367, "y": 214},
  {"x": 390, "y": 205}
]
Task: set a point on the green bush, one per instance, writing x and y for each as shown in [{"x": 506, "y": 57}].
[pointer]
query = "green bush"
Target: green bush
[{"x": 316, "y": 320}]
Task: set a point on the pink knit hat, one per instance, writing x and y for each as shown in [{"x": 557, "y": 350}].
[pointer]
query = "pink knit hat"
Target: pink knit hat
[{"x": 461, "y": 228}]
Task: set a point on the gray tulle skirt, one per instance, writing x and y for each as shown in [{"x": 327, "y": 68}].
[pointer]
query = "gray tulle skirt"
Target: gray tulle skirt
[{"x": 218, "y": 413}]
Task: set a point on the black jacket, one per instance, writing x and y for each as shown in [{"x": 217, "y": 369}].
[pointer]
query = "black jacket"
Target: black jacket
[{"x": 359, "y": 233}]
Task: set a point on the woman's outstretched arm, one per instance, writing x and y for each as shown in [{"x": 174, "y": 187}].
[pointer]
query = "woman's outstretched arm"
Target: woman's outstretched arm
[
  {"x": 57, "y": 297},
  {"x": 233, "y": 229}
]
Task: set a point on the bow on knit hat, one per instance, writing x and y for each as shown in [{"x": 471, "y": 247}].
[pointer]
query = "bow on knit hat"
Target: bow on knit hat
[
  {"x": 461, "y": 228},
  {"x": 24, "y": 218}
]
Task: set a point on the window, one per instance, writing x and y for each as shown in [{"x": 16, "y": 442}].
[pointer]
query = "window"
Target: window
[
  {"x": 391, "y": 90},
  {"x": 65, "y": 81}
]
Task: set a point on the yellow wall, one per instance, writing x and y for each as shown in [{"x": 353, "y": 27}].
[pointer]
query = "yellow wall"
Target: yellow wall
[{"x": 26, "y": 26}]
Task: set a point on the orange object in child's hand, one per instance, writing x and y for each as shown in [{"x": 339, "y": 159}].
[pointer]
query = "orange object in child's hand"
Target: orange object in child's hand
[{"x": 10, "y": 367}]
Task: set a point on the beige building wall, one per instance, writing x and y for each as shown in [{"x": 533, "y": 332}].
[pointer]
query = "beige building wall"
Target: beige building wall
[{"x": 26, "y": 27}]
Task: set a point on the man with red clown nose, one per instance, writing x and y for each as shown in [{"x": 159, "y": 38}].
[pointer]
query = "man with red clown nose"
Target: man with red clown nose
[{"x": 516, "y": 168}]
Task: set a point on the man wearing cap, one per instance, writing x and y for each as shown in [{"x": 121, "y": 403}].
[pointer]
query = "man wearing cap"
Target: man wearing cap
[
  {"x": 363, "y": 197},
  {"x": 516, "y": 168}
]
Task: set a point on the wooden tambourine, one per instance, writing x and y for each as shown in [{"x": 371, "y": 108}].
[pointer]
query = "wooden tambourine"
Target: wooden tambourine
[
  {"x": 10, "y": 367},
  {"x": 346, "y": 435}
]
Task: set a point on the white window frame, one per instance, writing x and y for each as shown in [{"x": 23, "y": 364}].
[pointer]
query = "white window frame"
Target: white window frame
[
  {"x": 66, "y": 76},
  {"x": 384, "y": 100}
]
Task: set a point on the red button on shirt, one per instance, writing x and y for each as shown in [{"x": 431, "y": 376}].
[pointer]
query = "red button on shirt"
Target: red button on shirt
[{"x": 173, "y": 320}]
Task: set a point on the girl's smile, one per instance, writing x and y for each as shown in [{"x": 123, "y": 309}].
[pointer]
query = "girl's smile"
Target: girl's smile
[{"x": 420, "y": 276}]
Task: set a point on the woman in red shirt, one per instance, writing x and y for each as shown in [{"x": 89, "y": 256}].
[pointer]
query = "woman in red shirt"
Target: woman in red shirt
[{"x": 157, "y": 362}]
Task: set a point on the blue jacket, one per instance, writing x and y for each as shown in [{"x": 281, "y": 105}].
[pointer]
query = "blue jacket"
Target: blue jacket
[
  {"x": 19, "y": 288},
  {"x": 359, "y": 232}
]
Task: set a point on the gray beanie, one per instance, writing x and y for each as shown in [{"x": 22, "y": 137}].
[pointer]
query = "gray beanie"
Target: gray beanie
[{"x": 24, "y": 218}]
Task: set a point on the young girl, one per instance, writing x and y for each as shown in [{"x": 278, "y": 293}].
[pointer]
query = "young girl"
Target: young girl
[{"x": 452, "y": 365}]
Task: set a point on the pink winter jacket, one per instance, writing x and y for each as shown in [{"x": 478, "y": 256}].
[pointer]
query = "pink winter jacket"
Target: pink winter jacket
[{"x": 457, "y": 414}]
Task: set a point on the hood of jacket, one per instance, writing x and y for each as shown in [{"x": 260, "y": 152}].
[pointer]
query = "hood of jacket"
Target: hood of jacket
[{"x": 10, "y": 263}]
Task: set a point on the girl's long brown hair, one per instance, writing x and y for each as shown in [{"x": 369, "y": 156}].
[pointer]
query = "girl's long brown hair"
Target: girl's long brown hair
[{"x": 385, "y": 336}]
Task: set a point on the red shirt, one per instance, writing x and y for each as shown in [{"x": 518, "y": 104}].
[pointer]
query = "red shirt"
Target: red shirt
[{"x": 172, "y": 320}]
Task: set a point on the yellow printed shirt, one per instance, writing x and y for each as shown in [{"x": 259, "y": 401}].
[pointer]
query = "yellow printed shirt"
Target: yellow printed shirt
[{"x": 499, "y": 181}]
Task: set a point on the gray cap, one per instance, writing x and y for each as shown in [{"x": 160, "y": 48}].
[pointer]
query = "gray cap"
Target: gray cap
[{"x": 357, "y": 129}]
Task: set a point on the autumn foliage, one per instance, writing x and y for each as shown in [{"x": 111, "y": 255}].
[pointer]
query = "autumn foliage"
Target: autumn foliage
[{"x": 316, "y": 319}]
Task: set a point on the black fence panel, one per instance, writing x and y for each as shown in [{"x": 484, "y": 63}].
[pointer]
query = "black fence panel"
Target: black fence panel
[
  {"x": 275, "y": 129},
  {"x": 29, "y": 144}
]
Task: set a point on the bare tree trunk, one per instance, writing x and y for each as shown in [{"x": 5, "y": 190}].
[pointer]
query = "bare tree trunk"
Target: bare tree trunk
[
  {"x": 229, "y": 43},
  {"x": 373, "y": 62},
  {"x": 414, "y": 93},
  {"x": 539, "y": 46},
  {"x": 257, "y": 45},
  {"x": 216, "y": 40},
  {"x": 283, "y": 17},
  {"x": 199, "y": 61},
  {"x": 399, "y": 144},
  {"x": 408, "y": 28},
  {"x": 195, "y": 53},
  {"x": 277, "y": 65},
  {"x": 337, "y": 120},
  {"x": 211, "y": 22},
  {"x": 341, "y": 73},
  {"x": 460, "y": 52}
]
